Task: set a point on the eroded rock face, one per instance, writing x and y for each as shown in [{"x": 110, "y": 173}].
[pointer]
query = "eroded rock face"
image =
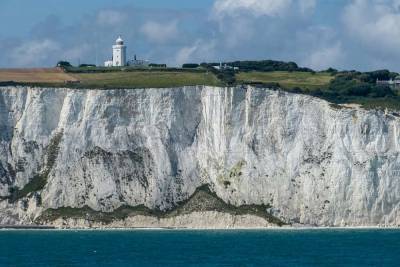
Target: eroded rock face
[{"x": 312, "y": 163}]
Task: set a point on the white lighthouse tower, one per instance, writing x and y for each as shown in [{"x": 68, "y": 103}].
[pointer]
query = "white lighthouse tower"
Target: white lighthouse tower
[
  {"x": 119, "y": 53},
  {"x": 119, "y": 57}
]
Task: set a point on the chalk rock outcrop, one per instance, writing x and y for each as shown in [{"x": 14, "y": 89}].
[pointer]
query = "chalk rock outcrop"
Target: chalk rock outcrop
[{"x": 305, "y": 160}]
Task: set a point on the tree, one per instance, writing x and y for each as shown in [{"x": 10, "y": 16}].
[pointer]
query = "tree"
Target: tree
[
  {"x": 190, "y": 66},
  {"x": 63, "y": 64},
  {"x": 332, "y": 71}
]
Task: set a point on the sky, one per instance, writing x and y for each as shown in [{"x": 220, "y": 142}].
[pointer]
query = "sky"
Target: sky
[{"x": 343, "y": 34}]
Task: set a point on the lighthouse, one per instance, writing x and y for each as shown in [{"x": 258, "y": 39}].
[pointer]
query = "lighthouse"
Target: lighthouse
[
  {"x": 119, "y": 53},
  {"x": 119, "y": 58}
]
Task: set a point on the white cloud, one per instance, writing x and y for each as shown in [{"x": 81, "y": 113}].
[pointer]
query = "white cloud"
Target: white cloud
[
  {"x": 307, "y": 6},
  {"x": 271, "y": 8},
  {"x": 234, "y": 33},
  {"x": 254, "y": 7},
  {"x": 368, "y": 37},
  {"x": 200, "y": 51},
  {"x": 78, "y": 52},
  {"x": 33, "y": 52},
  {"x": 374, "y": 23},
  {"x": 160, "y": 32},
  {"x": 396, "y": 4},
  {"x": 325, "y": 57},
  {"x": 318, "y": 47},
  {"x": 110, "y": 17},
  {"x": 186, "y": 54}
]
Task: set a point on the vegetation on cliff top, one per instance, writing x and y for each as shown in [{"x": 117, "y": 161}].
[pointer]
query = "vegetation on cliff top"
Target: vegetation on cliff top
[
  {"x": 335, "y": 86},
  {"x": 146, "y": 79},
  {"x": 287, "y": 80}
]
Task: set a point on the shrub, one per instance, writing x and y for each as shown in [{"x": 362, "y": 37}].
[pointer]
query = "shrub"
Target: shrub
[
  {"x": 86, "y": 65},
  {"x": 153, "y": 65}
]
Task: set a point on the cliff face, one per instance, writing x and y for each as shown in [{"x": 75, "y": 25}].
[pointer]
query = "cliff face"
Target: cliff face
[{"x": 304, "y": 160}]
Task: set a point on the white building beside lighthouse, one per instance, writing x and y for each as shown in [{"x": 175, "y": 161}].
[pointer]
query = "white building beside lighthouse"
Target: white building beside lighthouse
[{"x": 119, "y": 54}]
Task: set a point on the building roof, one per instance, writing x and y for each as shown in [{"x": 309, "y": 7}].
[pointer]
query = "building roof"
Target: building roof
[{"x": 119, "y": 41}]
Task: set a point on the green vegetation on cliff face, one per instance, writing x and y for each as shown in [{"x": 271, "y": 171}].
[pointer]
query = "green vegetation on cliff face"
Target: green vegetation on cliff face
[
  {"x": 38, "y": 182},
  {"x": 201, "y": 201}
]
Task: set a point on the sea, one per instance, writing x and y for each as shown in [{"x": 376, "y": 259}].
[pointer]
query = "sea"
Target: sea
[{"x": 313, "y": 247}]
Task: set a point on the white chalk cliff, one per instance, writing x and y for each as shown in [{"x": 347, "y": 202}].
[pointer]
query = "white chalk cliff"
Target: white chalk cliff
[{"x": 302, "y": 159}]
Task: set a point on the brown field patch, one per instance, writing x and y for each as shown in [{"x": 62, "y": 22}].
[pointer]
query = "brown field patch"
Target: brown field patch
[{"x": 37, "y": 75}]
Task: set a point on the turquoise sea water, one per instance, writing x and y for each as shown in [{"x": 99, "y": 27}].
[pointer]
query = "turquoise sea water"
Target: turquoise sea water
[{"x": 200, "y": 248}]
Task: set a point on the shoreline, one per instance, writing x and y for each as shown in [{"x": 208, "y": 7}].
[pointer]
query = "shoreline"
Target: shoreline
[
  {"x": 296, "y": 228},
  {"x": 27, "y": 227}
]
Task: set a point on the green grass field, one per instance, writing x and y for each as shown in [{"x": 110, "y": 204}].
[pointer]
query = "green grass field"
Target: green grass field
[
  {"x": 287, "y": 80},
  {"x": 145, "y": 79},
  {"x": 105, "y": 78}
]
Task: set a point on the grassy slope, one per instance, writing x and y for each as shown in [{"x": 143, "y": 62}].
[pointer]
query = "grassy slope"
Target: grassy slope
[
  {"x": 39, "y": 75},
  {"x": 146, "y": 79},
  {"x": 287, "y": 80}
]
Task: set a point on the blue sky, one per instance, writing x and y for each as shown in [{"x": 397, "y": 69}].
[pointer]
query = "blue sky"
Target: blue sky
[
  {"x": 25, "y": 13},
  {"x": 345, "y": 34}
]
